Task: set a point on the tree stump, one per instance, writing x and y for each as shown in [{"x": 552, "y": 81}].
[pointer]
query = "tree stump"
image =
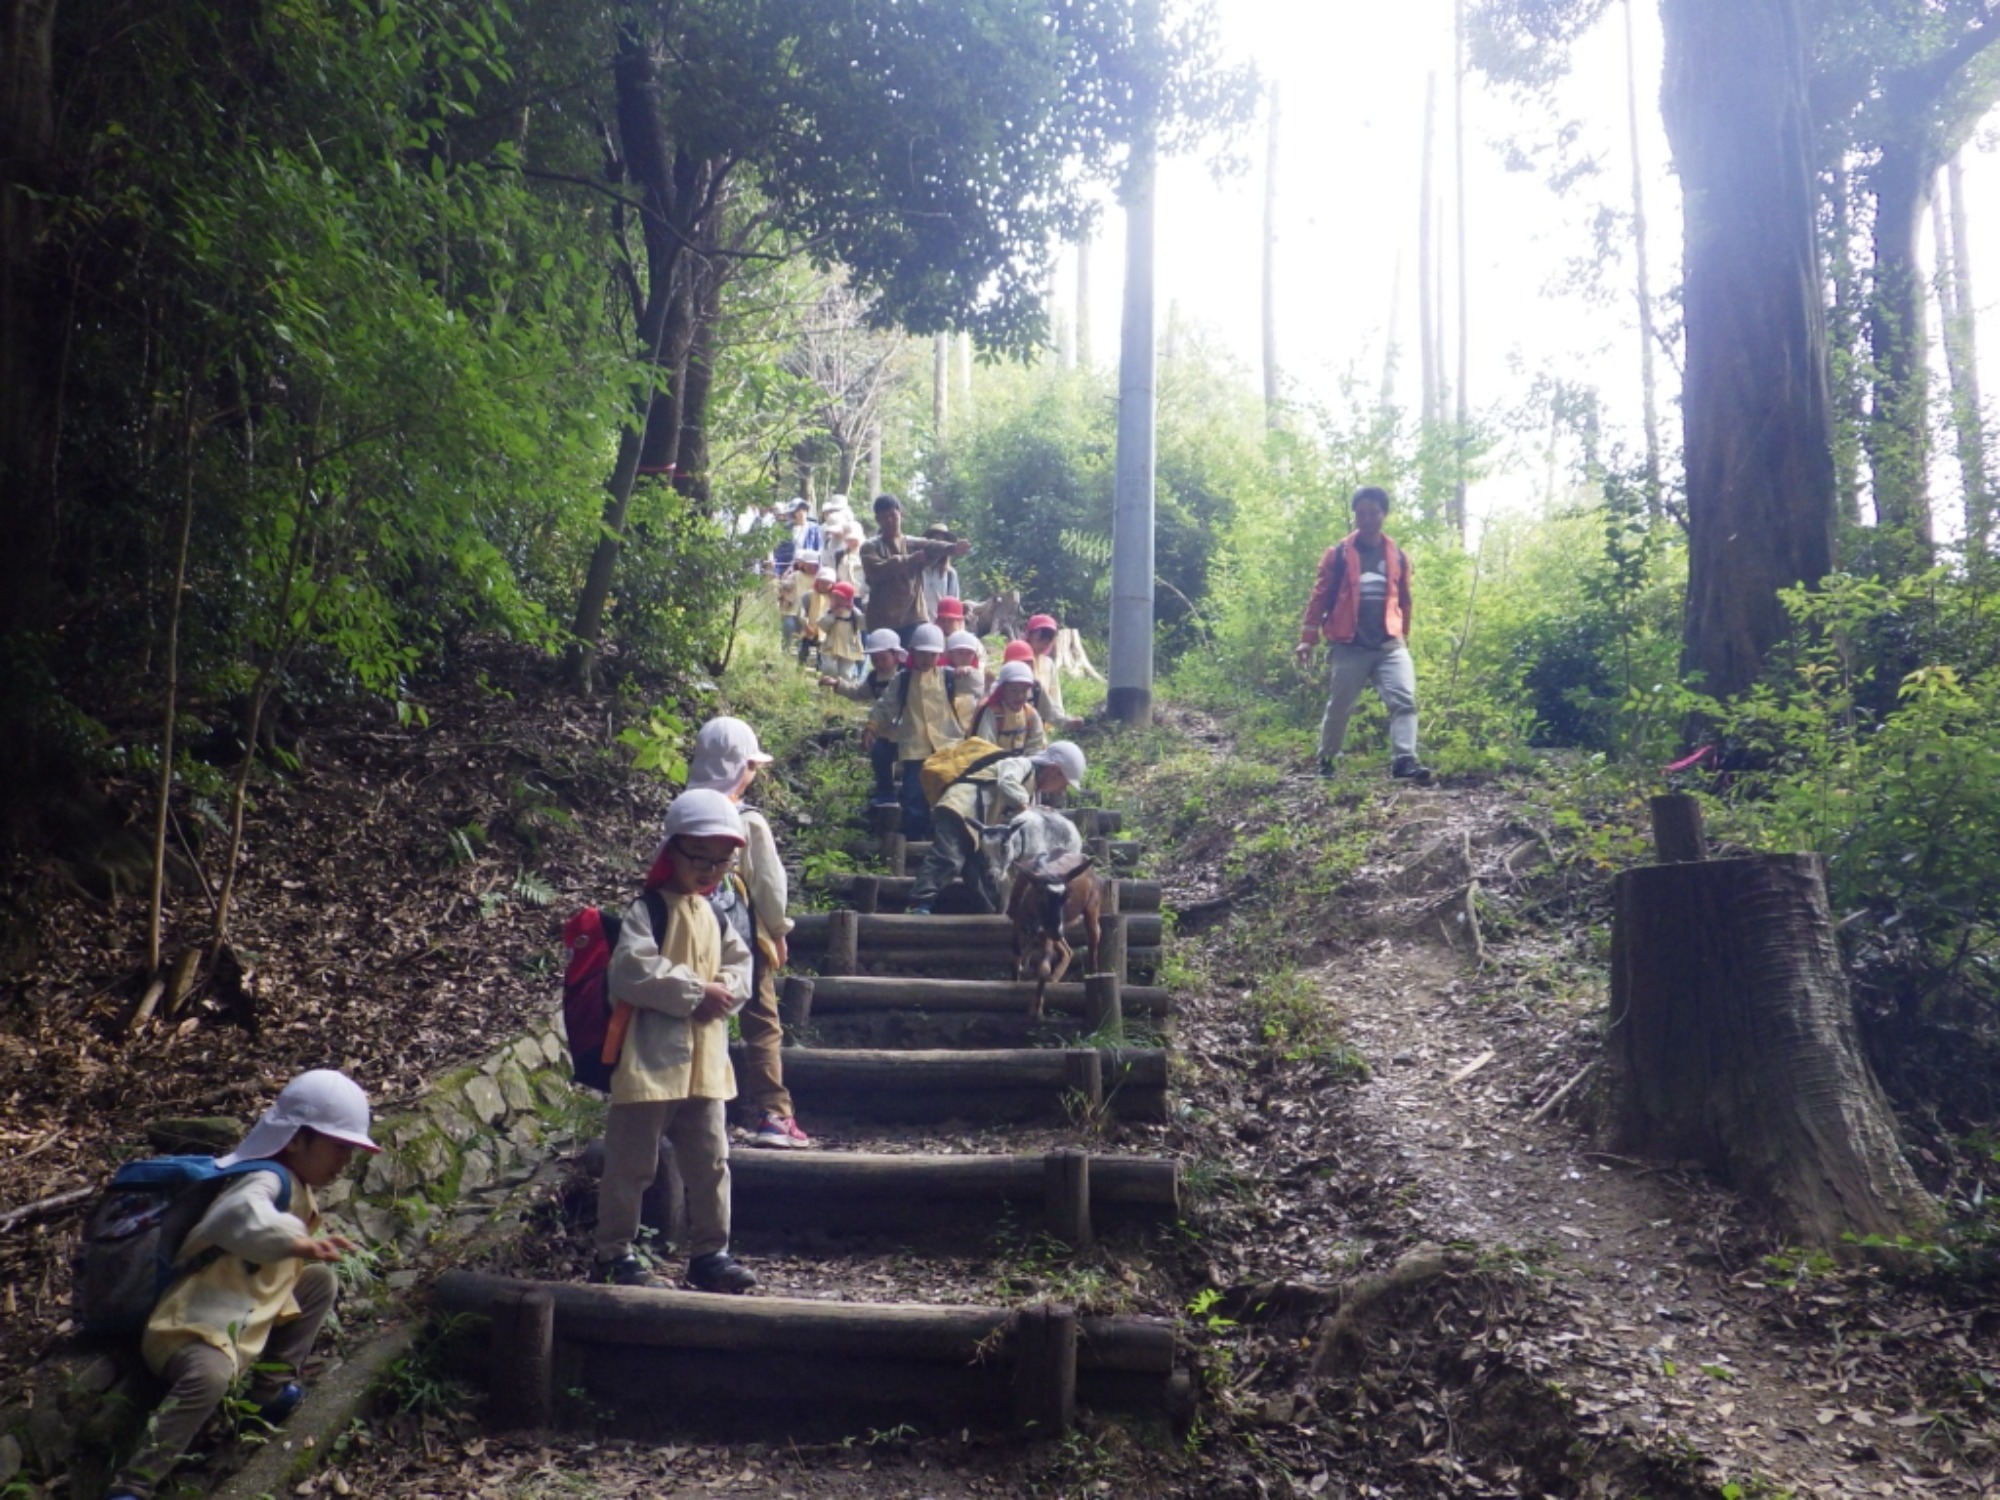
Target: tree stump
[
  {"x": 1733, "y": 1043},
  {"x": 1677, "y": 833}
]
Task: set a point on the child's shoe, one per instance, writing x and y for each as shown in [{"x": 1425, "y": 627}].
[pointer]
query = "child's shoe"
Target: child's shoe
[
  {"x": 782, "y": 1132},
  {"x": 720, "y": 1272},
  {"x": 626, "y": 1270},
  {"x": 281, "y": 1403}
]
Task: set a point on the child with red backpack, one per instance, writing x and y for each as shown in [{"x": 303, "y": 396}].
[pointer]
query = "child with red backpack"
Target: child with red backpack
[
  {"x": 676, "y": 975},
  {"x": 255, "y": 1285}
]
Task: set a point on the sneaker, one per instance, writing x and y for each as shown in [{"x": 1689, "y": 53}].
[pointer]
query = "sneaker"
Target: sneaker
[
  {"x": 720, "y": 1272},
  {"x": 1326, "y": 768},
  {"x": 626, "y": 1270},
  {"x": 281, "y": 1403},
  {"x": 1407, "y": 768},
  {"x": 781, "y": 1131}
]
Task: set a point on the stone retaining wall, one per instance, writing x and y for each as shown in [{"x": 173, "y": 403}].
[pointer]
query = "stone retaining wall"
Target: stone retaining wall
[{"x": 446, "y": 1167}]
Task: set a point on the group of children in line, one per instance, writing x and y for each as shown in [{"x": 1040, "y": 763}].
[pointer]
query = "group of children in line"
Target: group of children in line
[{"x": 704, "y": 943}]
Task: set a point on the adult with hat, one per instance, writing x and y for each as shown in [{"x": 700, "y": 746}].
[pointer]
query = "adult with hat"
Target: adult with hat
[
  {"x": 1360, "y": 606},
  {"x": 989, "y": 794},
  {"x": 941, "y": 581},
  {"x": 254, "y": 1282},
  {"x": 893, "y": 566}
]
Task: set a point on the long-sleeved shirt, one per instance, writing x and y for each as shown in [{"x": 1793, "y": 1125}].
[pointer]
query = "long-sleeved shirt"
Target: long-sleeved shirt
[
  {"x": 1021, "y": 730},
  {"x": 764, "y": 875},
  {"x": 840, "y": 636},
  {"x": 869, "y": 689},
  {"x": 895, "y": 572},
  {"x": 921, "y": 714},
  {"x": 233, "y": 1302},
  {"x": 1050, "y": 678},
  {"x": 995, "y": 794},
  {"x": 666, "y": 1054}
]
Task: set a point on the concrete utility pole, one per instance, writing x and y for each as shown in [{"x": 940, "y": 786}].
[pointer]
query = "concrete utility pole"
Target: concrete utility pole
[{"x": 1130, "y": 698}]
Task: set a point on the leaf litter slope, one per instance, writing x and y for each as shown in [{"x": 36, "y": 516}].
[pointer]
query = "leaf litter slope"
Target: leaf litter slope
[{"x": 1659, "y": 1316}]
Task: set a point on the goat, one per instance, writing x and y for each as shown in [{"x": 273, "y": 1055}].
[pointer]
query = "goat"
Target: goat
[{"x": 1049, "y": 893}]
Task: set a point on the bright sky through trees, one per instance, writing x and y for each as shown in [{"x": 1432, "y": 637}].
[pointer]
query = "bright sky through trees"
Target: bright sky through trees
[{"x": 1353, "y": 87}]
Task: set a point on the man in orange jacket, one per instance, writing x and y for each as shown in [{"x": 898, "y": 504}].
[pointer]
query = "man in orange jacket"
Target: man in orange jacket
[{"x": 1360, "y": 607}]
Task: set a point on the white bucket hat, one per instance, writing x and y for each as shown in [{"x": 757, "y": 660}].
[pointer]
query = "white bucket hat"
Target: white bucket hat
[
  {"x": 883, "y": 640},
  {"x": 723, "y": 750},
  {"x": 701, "y": 813},
  {"x": 927, "y": 637},
  {"x": 1065, "y": 757},
  {"x": 805, "y": 557},
  {"x": 826, "y": 575},
  {"x": 964, "y": 640},
  {"x": 1015, "y": 671},
  {"x": 327, "y": 1101}
]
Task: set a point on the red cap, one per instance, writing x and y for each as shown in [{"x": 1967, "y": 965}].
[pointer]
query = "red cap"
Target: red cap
[
  {"x": 950, "y": 606},
  {"x": 843, "y": 591},
  {"x": 1042, "y": 622},
  {"x": 1018, "y": 651}
]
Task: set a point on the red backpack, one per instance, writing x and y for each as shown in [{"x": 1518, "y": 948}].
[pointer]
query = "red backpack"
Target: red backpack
[{"x": 588, "y": 938}]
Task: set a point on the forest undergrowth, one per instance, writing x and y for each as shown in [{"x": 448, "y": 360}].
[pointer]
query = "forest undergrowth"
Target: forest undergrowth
[{"x": 1384, "y": 992}]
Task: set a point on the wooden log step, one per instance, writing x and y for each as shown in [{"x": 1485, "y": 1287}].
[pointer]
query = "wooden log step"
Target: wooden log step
[
  {"x": 838, "y": 1192},
  {"x": 1003, "y": 1085},
  {"x": 900, "y": 931},
  {"x": 659, "y": 1360},
  {"x": 892, "y": 892},
  {"x": 869, "y": 992},
  {"x": 1092, "y": 822}
]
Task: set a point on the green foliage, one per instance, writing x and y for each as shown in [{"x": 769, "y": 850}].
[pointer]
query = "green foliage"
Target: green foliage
[{"x": 1900, "y": 790}]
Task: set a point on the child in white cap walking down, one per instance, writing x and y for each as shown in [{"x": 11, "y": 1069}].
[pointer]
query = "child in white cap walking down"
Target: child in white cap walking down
[
  {"x": 925, "y": 711},
  {"x": 885, "y": 657},
  {"x": 1008, "y": 718},
  {"x": 263, "y": 1286},
  {"x": 675, "y": 988},
  {"x": 726, "y": 759},
  {"x": 967, "y": 654},
  {"x": 992, "y": 794}
]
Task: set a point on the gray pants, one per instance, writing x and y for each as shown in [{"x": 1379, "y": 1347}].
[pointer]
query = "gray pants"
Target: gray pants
[
  {"x": 1349, "y": 670},
  {"x": 700, "y": 1139},
  {"x": 954, "y": 852},
  {"x": 198, "y": 1376}
]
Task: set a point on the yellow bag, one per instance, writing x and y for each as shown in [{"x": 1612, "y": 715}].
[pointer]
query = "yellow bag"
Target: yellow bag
[{"x": 956, "y": 762}]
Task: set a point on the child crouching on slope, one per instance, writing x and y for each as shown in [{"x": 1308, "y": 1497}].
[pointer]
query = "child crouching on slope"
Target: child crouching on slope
[
  {"x": 262, "y": 1288},
  {"x": 676, "y": 975}
]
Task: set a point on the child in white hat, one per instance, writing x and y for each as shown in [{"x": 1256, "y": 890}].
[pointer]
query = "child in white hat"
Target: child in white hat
[
  {"x": 992, "y": 794},
  {"x": 885, "y": 656},
  {"x": 726, "y": 759},
  {"x": 262, "y": 1286},
  {"x": 926, "y": 710},
  {"x": 676, "y": 977},
  {"x": 967, "y": 654},
  {"x": 1008, "y": 717}
]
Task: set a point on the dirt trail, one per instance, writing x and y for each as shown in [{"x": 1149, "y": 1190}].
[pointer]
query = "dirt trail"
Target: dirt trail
[{"x": 1659, "y": 1327}]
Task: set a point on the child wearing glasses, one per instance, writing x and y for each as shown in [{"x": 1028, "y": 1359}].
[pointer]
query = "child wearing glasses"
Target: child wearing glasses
[{"x": 682, "y": 973}]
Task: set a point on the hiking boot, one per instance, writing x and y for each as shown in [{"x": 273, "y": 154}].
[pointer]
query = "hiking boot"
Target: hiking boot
[
  {"x": 720, "y": 1272},
  {"x": 1326, "y": 768},
  {"x": 782, "y": 1132},
  {"x": 281, "y": 1403},
  {"x": 1408, "y": 768},
  {"x": 626, "y": 1270}
]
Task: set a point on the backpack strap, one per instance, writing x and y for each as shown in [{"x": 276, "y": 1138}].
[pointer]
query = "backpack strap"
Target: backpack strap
[{"x": 656, "y": 911}]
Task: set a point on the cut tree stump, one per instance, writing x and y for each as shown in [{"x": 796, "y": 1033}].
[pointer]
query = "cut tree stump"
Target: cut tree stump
[{"x": 1733, "y": 1043}]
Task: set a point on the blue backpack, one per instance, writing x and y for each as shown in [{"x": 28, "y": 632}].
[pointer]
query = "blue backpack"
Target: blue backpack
[{"x": 131, "y": 1245}]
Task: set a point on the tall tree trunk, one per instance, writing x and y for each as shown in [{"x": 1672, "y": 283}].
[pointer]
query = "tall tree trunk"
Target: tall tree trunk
[
  {"x": 1386, "y": 404},
  {"x": 691, "y": 454},
  {"x": 1898, "y": 428},
  {"x": 1758, "y": 430},
  {"x": 1850, "y": 391},
  {"x": 940, "y": 387},
  {"x": 28, "y": 336},
  {"x": 1961, "y": 352},
  {"x": 874, "y": 463},
  {"x": 1649, "y": 394},
  {"x": 965, "y": 376},
  {"x": 1427, "y": 309},
  {"x": 170, "y": 706},
  {"x": 1462, "y": 426},
  {"x": 676, "y": 189},
  {"x": 1083, "y": 352},
  {"x": 1270, "y": 286}
]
